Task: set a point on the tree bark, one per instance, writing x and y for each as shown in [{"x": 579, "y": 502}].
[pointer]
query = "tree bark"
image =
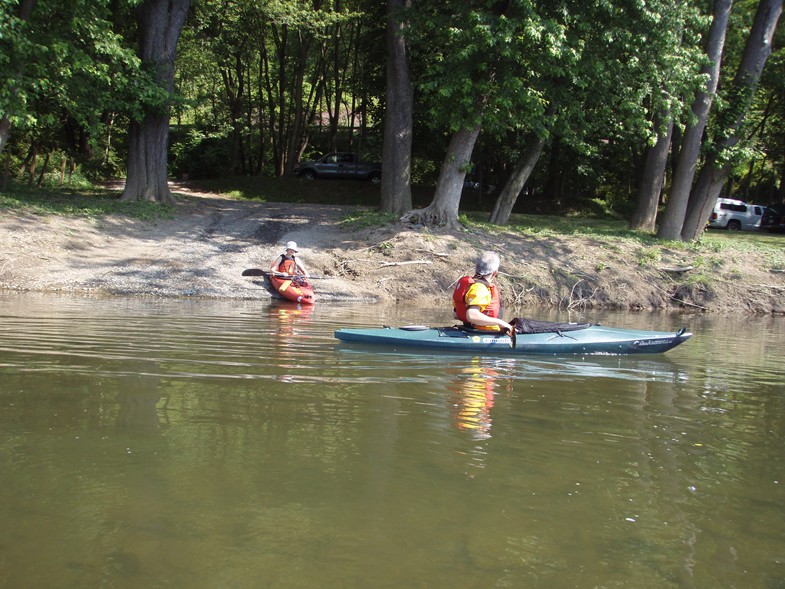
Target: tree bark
[
  {"x": 715, "y": 171},
  {"x": 672, "y": 219},
  {"x": 160, "y": 23},
  {"x": 5, "y": 132},
  {"x": 517, "y": 180},
  {"x": 645, "y": 215},
  {"x": 396, "y": 190},
  {"x": 444, "y": 207}
]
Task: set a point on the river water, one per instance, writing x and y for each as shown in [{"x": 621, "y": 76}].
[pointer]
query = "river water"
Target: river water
[{"x": 236, "y": 444}]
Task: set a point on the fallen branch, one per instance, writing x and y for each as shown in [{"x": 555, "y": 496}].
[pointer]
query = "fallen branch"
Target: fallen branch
[
  {"x": 676, "y": 269},
  {"x": 405, "y": 263},
  {"x": 437, "y": 254}
]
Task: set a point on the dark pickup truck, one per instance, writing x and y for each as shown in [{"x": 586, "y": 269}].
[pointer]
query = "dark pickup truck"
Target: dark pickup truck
[{"x": 342, "y": 166}]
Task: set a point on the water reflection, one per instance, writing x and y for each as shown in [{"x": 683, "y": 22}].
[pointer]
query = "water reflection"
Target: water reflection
[{"x": 473, "y": 387}]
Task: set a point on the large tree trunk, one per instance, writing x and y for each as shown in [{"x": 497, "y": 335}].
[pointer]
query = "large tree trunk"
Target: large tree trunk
[
  {"x": 443, "y": 209},
  {"x": 397, "y": 152},
  {"x": 714, "y": 173},
  {"x": 645, "y": 215},
  {"x": 515, "y": 183},
  {"x": 672, "y": 219},
  {"x": 160, "y": 23}
]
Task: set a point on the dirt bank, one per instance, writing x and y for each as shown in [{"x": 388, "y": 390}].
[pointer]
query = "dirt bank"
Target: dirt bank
[{"x": 204, "y": 249}]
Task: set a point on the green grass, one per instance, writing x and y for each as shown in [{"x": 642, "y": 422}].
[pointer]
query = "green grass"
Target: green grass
[{"x": 83, "y": 202}]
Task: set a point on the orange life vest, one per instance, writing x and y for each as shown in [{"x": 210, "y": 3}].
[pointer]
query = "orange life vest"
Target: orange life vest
[
  {"x": 287, "y": 265},
  {"x": 459, "y": 299}
]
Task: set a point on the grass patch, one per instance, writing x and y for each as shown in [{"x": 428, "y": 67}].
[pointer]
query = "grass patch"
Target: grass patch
[
  {"x": 83, "y": 202},
  {"x": 363, "y": 219}
]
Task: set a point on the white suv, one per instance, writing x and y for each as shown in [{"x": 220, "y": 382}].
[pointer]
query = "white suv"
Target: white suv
[{"x": 735, "y": 215}]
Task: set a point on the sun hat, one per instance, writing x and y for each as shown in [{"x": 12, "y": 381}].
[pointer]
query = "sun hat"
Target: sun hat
[{"x": 291, "y": 245}]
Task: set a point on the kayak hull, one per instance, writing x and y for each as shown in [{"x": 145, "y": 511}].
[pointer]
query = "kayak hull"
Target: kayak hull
[
  {"x": 298, "y": 290},
  {"x": 595, "y": 339}
]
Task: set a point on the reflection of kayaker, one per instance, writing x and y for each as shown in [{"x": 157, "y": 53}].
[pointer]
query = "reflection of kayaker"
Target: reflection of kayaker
[
  {"x": 290, "y": 278},
  {"x": 473, "y": 393}
]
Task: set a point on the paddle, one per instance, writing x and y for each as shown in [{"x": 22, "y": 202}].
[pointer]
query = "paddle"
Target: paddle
[
  {"x": 259, "y": 272},
  {"x": 513, "y": 337}
]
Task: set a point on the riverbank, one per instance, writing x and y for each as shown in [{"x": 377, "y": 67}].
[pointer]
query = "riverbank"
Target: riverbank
[{"x": 203, "y": 249}]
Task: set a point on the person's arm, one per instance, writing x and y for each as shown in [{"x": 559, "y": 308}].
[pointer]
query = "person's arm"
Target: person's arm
[
  {"x": 302, "y": 269},
  {"x": 477, "y": 317},
  {"x": 275, "y": 264}
]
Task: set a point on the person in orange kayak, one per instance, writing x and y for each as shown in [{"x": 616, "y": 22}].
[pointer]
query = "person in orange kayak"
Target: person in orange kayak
[
  {"x": 476, "y": 298},
  {"x": 287, "y": 262}
]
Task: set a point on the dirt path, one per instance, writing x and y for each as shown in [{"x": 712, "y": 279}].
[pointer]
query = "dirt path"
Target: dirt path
[{"x": 204, "y": 249}]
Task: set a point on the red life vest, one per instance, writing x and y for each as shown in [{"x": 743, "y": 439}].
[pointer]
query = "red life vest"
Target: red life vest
[{"x": 459, "y": 299}]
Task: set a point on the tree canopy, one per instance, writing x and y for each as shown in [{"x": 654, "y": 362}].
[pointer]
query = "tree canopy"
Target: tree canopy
[{"x": 522, "y": 104}]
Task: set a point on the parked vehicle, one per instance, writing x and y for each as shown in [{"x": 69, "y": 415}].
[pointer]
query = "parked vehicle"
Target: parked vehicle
[
  {"x": 342, "y": 166},
  {"x": 736, "y": 215},
  {"x": 774, "y": 219}
]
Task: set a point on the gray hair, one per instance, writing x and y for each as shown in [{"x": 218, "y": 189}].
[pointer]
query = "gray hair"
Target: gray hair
[{"x": 487, "y": 263}]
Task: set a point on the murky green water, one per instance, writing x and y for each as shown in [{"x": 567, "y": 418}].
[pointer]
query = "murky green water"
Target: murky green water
[{"x": 236, "y": 444}]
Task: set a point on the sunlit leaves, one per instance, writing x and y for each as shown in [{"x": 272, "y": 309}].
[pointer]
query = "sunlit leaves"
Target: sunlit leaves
[{"x": 65, "y": 63}]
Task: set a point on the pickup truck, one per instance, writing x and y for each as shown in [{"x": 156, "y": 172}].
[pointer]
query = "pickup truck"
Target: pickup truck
[
  {"x": 343, "y": 166},
  {"x": 734, "y": 215}
]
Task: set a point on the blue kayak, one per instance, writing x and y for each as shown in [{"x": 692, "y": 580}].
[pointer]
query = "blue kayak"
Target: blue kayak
[{"x": 584, "y": 339}]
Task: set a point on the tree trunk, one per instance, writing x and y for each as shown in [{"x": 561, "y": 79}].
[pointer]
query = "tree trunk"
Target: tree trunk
[
  {"x": 160, "y": 23},
  {"x": 443, "y": 209},
  {"x": 234, "y": 86},
  {"x": 715, "y": 171},
  {"x": 6, "y": 170},
  {"x": 515, "y": 183},
  {"x": 397, "y": 151},
  {"x": 5, "y": 132},
  {"x": 645, "y": 215},
  {"x": 672, "y": 219}
]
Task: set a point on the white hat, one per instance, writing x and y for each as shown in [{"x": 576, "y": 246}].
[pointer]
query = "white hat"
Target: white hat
[{"x": 291, "y": 245}]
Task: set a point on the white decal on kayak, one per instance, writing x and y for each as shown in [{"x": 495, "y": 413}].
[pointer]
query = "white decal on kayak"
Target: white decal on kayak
[
  {"x": 651, "y": 342},
  {"x": 494, "y": 340}
]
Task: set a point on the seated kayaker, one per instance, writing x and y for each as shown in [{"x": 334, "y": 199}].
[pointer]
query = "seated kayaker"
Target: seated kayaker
[
  {"x": 476, "y": 298},
  {"x": 287, "y": 262}
]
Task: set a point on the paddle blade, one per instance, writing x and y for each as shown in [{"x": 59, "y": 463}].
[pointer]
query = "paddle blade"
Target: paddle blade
[
  {"x": 253, "y": 272},
  {"x": 513, "y": 338}
]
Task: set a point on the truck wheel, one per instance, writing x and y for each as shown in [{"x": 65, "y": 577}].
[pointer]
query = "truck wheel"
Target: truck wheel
[
  {"x": 734, "y": 225},
  {"x": 308, "y": 175}
]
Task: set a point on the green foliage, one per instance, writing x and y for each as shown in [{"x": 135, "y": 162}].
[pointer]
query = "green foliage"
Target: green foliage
[
  {"x": 66, "y": 64},
  {"x": 255, "y": 79},
  {"x": 199, "y": 154},
  {"x": 648, "y": 256}
]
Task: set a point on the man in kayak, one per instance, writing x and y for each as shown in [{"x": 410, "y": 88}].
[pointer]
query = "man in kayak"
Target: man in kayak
[
  {"x": 287, "y": 262},
  {"x": 476, "y": 298}
]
